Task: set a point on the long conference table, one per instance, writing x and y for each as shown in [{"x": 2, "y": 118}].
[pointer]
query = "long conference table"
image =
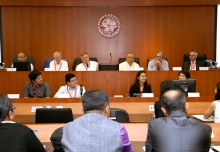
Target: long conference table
[
  {"x": 112, "y": 82},
  {"x": 137, "y": 133},
  {"x": 138, "y": 108}
]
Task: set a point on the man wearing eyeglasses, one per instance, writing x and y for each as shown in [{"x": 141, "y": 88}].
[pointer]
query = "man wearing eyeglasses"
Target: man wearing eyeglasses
[
  {"x": 22, "y": 57},
  {"x": 158, "y": 63},
  {"x": 129, "y": 64},
  {"x": 71, "y": 89}
]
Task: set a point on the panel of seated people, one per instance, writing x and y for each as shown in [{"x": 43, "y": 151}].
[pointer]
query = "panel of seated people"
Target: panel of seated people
[
  {"x": 137, "y": 108},
  {"x": 112, "y": 82}
]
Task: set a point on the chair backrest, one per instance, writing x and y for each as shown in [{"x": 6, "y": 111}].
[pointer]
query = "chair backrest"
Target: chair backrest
[
  {"x": 29, "y": 58},
  {"x": 120, "y": 60},
  {"x": 44, "y": 115},
  {"x": 201, "y": 57},
  {"x": 149, "y": 59},
  {"x": 47, "y": 63},
  {"x": 78, "y": 61},
  {"x": 119, "y": 115}
]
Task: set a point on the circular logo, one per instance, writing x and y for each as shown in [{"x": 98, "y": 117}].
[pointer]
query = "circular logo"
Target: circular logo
[{"x": 109, "y": 25}]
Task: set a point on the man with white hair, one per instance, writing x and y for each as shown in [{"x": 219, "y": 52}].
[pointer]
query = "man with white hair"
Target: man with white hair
[
  {"x": 158, "y": 63},
  {"x": 58, "y": 64}
]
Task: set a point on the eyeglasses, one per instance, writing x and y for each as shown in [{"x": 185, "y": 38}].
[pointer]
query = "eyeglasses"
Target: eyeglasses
[{"x": 74, "y": 80}]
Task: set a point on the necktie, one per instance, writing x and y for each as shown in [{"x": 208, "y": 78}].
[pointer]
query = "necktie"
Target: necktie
[{"x": 87, "y": 65}]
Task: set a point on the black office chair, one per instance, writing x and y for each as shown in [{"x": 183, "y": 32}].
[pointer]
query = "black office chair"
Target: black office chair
[
  {"x": 29, "y": 58},
  {"x": 120, "y": 60},
  {"x": 119, "y": 115},
  {"x": 149, "y": 59},
  {"x": 201, "y": 57},
  {"x": 44, "y": 115},
  {"x": 78, "y": 61}
]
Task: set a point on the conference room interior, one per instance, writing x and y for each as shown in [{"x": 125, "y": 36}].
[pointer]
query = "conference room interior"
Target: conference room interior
[{"x": 70, "y": 27}]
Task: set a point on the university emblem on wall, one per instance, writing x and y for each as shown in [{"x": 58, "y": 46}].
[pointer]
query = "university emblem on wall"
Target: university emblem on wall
[{"x": 109, "y": 25}]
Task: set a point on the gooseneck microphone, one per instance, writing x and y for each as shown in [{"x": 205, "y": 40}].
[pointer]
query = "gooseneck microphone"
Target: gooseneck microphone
[{"x": 110, "y": 58}]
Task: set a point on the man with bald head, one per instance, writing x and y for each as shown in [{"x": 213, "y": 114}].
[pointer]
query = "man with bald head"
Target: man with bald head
[
  {"x": 177, "y": 132},
  {"x": 22, "y": 57},
  {"x": 129, "y": 64}
]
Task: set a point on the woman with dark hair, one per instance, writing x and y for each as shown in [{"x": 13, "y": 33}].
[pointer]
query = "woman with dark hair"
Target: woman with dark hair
[
  {"x": 15, "y": 137},
  {"x": 214, "y": 108},
  {"x": 183, "y": 75},
  {"x": 164, "y": 86},
  {"x": 140, "y": 84}
]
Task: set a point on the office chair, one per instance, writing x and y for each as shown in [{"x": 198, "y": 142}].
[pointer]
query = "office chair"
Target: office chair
[
  {"x": 120, "y": 60},
  {"x": 29, "y": 58},
  {"x": 47, "y": 63},
  {"x": 119, "y": 115},
  {"x": 149, "y": 59},
  {"x": 63, "y": 115},
  {"x": 78, "y": 61}
]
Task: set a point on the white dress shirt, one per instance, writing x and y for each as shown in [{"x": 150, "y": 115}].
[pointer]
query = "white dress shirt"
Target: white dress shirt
[
  {"x": 82, "y": 67},
  {"x": 62, "y": 66},
  {"x": 73, "y": 93},
  {"x": 124, "y": 66}
]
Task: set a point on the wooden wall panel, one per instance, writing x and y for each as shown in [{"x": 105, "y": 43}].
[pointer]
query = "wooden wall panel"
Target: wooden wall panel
[{"x": 39, "y": 31}]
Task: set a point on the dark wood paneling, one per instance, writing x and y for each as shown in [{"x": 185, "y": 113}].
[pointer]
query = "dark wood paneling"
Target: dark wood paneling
[
  {"x": 40, "y": 31},
  {"x": 112, "y": 82}
]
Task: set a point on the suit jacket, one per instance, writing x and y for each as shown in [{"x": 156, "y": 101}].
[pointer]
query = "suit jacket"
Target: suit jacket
[
  {"x": 137, "y": 90},
  {"x": 178, "y": 133},
  {"x": 186, "y": 65},
  {"x": 157, "y": 109}
]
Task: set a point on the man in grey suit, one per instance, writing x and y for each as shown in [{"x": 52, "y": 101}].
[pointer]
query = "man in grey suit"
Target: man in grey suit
[
  {"x": 177, "y": 132},
  {"x": 94, "y": 131}
]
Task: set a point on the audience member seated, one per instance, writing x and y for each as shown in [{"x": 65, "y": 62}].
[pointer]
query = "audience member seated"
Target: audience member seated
[
  {"x": 129, "y": 64},
  {"x": 164, "y": 86},
  {"x": 214, "y": 108},
  {"x": 140, "y": 84},
  {"x": 36, "y": 88},
  {"x": 158, "y": 63},
  {"x": 177, "y": 132},
  {"x": 94, "y": 131},
  {"x": 15, "y": 137},
  {"x": 58, "y": 64},
  {"x": 193, "y": 63},
  {"x": 22, "y": 57},
  {"x": 71, "y": 88},
  {"x": 86, "y": 63},
  {"x": 184, "y": 74}
]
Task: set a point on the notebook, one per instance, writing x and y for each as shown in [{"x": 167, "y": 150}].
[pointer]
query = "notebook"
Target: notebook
[{"x": 201, "y": 118}]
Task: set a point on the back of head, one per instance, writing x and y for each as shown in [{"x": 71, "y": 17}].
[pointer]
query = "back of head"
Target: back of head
[
  {"x": 166, "y": 85},
  {"x": 173, "y": 100},
  {"x": 68, "y": 77},
  {"x": 217, "y": 95},
  {"x": 5, "y": 107},
  {"x": 94, "y": 100},
  {"x": 33, "y": 75}
]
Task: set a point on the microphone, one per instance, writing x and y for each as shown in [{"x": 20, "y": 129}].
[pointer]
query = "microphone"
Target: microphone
[
  {"x": 110, "y": 58},
  {"x": 81, "y": 90}
]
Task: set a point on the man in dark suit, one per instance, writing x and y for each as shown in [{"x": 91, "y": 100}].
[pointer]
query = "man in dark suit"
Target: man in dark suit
[
  {"x": 192, "y": 63},
  {"x": 177, "y": 132}
]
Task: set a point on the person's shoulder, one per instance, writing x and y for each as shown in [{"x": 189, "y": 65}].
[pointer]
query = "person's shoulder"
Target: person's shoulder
[
  {"x": 27, "y": 83},
  {"x": 45, "y": 84},
  {"x": 52, "y": 61},
  {"x": 94, "y": 62}
]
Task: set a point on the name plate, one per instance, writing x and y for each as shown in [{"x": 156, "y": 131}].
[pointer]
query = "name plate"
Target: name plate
[
  {"x": 48, "y": 69},
  {"x": 147, "y": 95},
  {"x": 13, "y": 96},
  {"x": 62, "y": 96},
  {"x": 177, "y": 68},
  {"x": 59, "y": 107},
  {"x": 118, "y": 95},
  {"x": 33, "y": 108},
  {"x": 112, "y": 118},
  {"x": 193, "y": 94},
  {"x": 203, "y": 68},
  {"x": 11, "y": 69},
  {"x": 91, "y": 69}
]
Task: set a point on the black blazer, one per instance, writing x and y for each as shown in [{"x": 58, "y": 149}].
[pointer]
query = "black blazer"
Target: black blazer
[
  {"x": 157, "y": 109},
  {"x": 186, "y": 65},
  {"x": 137, "y": 90}
]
